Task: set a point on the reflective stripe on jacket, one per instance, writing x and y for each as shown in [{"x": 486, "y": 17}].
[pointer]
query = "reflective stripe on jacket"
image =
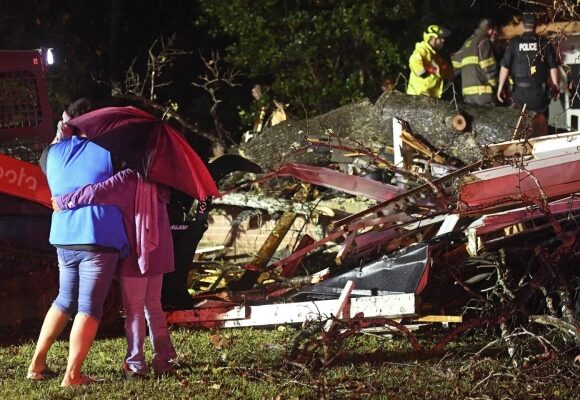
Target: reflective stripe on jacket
[
  {"x": 421, "y": 82},
  {"x": 478, "y": 65}
]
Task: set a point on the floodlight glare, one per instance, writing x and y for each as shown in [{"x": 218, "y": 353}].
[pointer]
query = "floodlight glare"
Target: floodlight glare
[{"x": 49, "y": 57}]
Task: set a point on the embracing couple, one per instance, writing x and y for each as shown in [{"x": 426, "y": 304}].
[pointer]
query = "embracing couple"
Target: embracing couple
[{"x": 105, "y": 224}]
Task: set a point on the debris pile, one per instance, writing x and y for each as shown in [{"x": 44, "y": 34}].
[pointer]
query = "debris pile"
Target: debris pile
[{"x": 399, "y": 232}]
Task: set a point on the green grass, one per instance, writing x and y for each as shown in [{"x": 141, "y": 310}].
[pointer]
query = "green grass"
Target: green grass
[{"x": 252, "y": 364}]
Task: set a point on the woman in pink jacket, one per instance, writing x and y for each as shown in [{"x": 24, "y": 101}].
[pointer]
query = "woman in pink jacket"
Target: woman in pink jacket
[{"x": 144, "y": 208}]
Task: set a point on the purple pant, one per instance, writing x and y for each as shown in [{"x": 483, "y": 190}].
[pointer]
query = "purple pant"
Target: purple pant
[{"x": 142, "y": 301}]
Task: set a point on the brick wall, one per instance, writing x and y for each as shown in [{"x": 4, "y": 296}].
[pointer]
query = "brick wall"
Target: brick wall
[{"x": 251, "y": 232}]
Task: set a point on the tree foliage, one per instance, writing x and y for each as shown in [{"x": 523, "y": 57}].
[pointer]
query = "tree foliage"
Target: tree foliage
[
  {"x": 313, "y": 54},
  {"x": 319, "y": 54}
]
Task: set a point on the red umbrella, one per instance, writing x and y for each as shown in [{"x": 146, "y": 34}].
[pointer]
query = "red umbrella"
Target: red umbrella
[{"x": 149, "y": 146}]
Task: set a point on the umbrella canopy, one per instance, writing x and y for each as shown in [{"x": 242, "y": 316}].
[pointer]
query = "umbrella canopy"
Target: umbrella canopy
[{"x": 150, "y": 146}]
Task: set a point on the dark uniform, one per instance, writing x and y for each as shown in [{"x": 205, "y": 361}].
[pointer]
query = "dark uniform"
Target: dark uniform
[
  {"x": 476, "y": 60},
  {"x": 529, "y": 58}
]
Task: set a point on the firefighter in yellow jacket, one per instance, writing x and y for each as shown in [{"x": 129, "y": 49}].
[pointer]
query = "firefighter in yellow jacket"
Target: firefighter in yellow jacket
[
  {"x": 476, "y": 60},
  {"x": 428, "y": 68}
]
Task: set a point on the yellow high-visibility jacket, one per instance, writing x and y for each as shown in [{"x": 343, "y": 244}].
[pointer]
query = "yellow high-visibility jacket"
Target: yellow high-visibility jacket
[{"x": 420, "y": 81}]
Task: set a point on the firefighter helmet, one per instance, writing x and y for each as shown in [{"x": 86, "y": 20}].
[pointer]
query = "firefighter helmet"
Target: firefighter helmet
[{"x": 435, "y": 31}]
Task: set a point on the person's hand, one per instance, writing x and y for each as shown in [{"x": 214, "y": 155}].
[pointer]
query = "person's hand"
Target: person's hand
[
  {"x": 500, "y": 95},
  {"x": 59, "y": 135},
  {"x": 54, "y": 204},
  {"x": 431, "y": 69},
  {"x": 554, "y": 92}
]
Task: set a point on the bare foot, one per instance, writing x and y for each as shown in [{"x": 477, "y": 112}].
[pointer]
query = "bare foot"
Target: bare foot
[
  {"x": 36, "y": 374},
  {"x": 82, "y": 380},
  {"x": 37, "y": 366}
]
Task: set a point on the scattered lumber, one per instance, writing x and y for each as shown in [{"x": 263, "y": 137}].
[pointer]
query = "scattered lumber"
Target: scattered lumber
[
  {"x": 237, "y": 316},
  {"x": 456, "y": 243}
]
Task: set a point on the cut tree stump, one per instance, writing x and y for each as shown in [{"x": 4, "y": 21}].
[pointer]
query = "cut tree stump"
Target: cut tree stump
[{"x": 459, "y": 123}]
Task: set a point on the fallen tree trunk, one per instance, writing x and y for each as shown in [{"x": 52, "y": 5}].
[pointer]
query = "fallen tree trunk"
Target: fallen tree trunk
[
  {"x": 437, "y": 121},
  {"x": 371, "y": 126},
  {"x": 273, "y": 147}
]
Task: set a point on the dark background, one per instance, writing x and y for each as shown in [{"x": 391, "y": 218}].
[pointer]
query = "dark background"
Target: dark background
[{"x": 96, "y": 41}]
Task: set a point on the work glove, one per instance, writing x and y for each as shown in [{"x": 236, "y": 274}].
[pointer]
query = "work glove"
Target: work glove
[{"x": 431, "y": 69}]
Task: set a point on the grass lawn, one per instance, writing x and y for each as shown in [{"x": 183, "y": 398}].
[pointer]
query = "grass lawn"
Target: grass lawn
[{"x": 252, "y": 364}]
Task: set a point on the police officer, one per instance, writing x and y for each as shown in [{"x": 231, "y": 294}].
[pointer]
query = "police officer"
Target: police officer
[
  {"x": 476, "y": 61},
  {"x": 428, "y": 67},
  {"x": 532, "y": 62}
]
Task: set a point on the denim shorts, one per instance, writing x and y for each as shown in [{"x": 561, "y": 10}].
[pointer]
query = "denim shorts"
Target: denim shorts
[{"x": 84, "y": 280}]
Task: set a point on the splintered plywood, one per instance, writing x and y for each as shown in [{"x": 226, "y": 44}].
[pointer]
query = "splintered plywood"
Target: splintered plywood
[{"x": 388, "y": 306}]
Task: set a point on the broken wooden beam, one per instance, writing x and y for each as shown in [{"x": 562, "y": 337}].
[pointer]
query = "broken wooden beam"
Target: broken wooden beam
[
  {"x": 440, "y": 318},
  {"x": 268, "y": 248},
  {"x": 387, "y": 306},
  {"x": 289, "y": 269},
  {"x": 342, "y": 304}
]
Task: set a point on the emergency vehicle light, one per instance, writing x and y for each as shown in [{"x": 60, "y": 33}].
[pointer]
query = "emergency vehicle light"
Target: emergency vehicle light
[{"x": 49, "y": 56}]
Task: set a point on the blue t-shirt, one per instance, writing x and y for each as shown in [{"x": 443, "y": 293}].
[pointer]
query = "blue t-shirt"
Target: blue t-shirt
[{"x": 71, "y": 164}]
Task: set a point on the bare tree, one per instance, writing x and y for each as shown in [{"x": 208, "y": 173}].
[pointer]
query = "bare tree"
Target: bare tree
[
  {"x": 211, "y": 82},
  {"x": 143, "y": 87}
]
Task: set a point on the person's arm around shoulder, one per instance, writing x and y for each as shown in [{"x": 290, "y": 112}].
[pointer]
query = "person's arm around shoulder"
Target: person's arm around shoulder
[{"x": 113, "y": 191}]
